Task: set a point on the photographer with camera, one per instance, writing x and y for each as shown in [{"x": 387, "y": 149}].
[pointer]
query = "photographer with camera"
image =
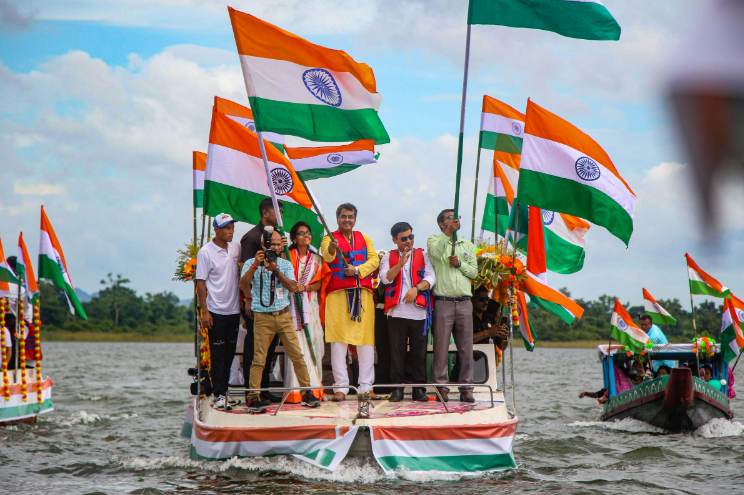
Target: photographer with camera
[
  {"x": 270, "y": 281},
  {"x": 219, "y": 299}
]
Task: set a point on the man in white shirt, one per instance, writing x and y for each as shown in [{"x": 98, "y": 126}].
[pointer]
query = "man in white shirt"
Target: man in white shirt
[
  {"x": 409, "y": 277},
  {"x": 217, "y": 277}
]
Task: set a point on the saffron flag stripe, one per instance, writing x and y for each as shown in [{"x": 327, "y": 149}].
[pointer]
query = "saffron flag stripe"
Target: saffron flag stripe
[
  {"x": 460, "y": 432},
  {"x": 289, "y": 433},
  {"x": 658, "y": 315},
  {"x": 703, "y": 284},
  {"x": 244, "y": 116}
]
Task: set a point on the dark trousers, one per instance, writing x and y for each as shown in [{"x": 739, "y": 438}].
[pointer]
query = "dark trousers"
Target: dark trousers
[
  {"x": 382, "y": 347},
  {"x": 405, "y": 333},
  {"x": 223, "y": 338},
  {"x": 248, "y": 349}
]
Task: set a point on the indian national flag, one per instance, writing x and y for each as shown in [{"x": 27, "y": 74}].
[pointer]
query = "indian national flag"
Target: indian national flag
[
  {"x": 244, "y": 116},
  {"x": 200, "y": 166},
  {"x": 625, "y": 330},
  {"x": 7, "y": 276},
  {"x": 298, "y": 88},
  {"x": 25, "y": 272},
  {"x": 658, "y": 315},
  {"x": 582, "y": 19},
  {"x": 536, "y": 245},
  {"x": 564, "y": 234},
  {"x": 53, "y": 267},
  {"x": 703, "y": 284},
  {"x": 528, "y": 334},
  {"x": 544, "y": 296},
  {"x": 564, "y": 170},
  {"x": 235, "y": 181},
  {"x": 328, "y": 161},
  {"x": 732, "y": 339},
  {"x": 502, "y": 127}
]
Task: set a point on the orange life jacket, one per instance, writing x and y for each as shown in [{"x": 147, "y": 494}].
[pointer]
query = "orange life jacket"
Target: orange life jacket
[
  {"x": 418, "y": 270},
  {"x": 355, "y": 254}
]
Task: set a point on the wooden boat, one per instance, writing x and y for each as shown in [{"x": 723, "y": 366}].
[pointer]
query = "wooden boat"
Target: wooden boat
[
  {"x": 416, "y": 436},
  {"x": 675, "y": 402}
]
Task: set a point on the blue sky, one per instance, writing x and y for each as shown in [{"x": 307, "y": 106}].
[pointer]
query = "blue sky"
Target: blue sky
[{"x": 103, "y": 103}]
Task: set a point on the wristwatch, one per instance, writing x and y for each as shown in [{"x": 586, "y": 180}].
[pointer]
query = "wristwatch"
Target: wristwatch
[
  {"x": 418, "y": 289},
  {"x": 356, "y": 271}
]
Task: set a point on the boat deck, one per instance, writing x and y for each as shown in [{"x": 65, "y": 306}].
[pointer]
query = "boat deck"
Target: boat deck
[{"x": 379, "y": 409}]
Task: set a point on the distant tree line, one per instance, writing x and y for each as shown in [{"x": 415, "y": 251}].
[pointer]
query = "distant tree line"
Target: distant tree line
[
  {"x": 595, "y": 323},
  {"x": 117, "y": 308}
]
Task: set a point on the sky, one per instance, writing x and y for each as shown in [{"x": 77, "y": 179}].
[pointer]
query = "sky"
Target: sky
[{"x": 104, "y": 101}]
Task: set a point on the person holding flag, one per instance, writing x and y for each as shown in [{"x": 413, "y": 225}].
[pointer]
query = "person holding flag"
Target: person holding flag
[{"x": 656, "y": 336}]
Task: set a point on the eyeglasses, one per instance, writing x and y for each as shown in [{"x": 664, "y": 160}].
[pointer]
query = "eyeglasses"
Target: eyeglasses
[
  {"x": 304, "y": 232},
  {"x": 449, "y": 217},
  {"x": 406, "y": 237},
  {"x": 346, "y": 217},
  {"x": 482, "y": 298}
]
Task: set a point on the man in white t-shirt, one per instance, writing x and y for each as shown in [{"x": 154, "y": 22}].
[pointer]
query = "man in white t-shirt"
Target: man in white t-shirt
[{"x": 217, "y": 277}]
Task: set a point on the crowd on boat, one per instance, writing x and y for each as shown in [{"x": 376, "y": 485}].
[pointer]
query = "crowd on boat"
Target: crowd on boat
[
  {"x": 8, "y": 324},
  {"x": 365, "y": 313}
]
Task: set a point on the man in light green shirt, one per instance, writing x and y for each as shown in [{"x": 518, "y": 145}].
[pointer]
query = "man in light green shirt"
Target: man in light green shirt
[{"x": 453, "y": 310}]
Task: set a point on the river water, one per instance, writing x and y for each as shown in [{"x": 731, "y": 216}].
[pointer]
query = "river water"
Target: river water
[{"x": 119, "y": 408}]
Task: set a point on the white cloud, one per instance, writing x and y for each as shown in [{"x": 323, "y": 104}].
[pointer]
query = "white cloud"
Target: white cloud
[{"x": 39, "y": 189}]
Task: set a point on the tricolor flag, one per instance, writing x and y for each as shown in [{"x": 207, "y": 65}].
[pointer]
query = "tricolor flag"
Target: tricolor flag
[
  {"x": 235, "y": 181},
  {"x": 7, "y": 276},
  {"x": 301, "y": 89},
  {"x": 564, "y": 234},
  {"x": 328, "y": 161},
  {"x": 703, "y": 284},
  {"x": 528, "y": 334},
  {"x": 25, "y": 272},
  {"x": 581, "y": 19},
  {"x": 658, "y": 315},
  {"x": 244, "y": 116},
  {"x": 536, "y": 244},
  {"x": 625, "y": 331},
  {"x": 200, "y": 166},
  {"x": 502, "y": 127},
  {"x": 544, "y": 296},
  {"x": 564, "y": 170},
  {"x": 732, "y": 339},
  {"x": 53, "y": 267}
]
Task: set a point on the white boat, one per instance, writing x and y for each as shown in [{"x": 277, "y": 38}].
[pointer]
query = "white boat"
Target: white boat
[
  {"x": 13, "y": 407},
  {"x": 415, "y": 436}
]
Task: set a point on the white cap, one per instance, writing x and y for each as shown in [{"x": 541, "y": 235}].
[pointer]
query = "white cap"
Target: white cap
[{"x": 222, "y": 220}]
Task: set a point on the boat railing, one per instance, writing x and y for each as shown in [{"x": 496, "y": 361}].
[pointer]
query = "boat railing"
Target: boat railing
[{"x": 363, "y": 398}]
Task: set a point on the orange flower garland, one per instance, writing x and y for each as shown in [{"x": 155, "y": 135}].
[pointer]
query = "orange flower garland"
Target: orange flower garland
[
  {"x": 37, "y": 325},
  {"x": 6, "y": 385},
  {"x": 499, "y": 354},
  {"x": 22, "y": 350}
]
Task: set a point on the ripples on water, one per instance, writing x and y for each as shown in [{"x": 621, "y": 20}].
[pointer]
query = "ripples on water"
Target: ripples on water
[{"x": 119, "y": 409}]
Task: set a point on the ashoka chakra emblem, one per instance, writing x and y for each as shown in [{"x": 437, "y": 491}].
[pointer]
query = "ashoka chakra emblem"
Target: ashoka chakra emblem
[
  {"x": 323, "y": 86},
  {"x": 741, "y": 314},
  {"x": 621, "y": 324},
  {"x": 336, "y": 158},
  {"x": 656, "y": 307},
  {"x": 282, "y": 181},
  {"x": 548, "y": 217},
  {"x": 587, "y": 169},
  {"x": 251, "y": 126},
  {"x": 516, "y": 128}
]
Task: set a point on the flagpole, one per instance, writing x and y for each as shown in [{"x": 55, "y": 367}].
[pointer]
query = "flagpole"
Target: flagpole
[
  {"x": 204, "y": 218},
  {"x": 280, "y": 227},
  {"x": 475, "y": 193},
  {"x": 322, "y": 219},
  {"x": 511, "y": 309},
  {"x": 196, "y": 329},
  {"x": 694, "y": 328},
  {"x": 462, "y": 130}
]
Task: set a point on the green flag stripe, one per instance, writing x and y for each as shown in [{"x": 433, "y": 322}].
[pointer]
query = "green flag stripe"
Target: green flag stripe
[
  {"x": 562, "y": 256},
  {"x": 626, "y": 340},
  {"x": 455, "y": 463},
  {"x": 552, "y": 308},
  {"x": 242, "y": 205},
  {"x": 198, "y": 198},
  {"x": 49, "y": 270},
  {"x": 661, "y": 319},
  {"x": 323, "y": 173},
  {"x": 703, "y": 289},
  {"x": 500, "y": 142}
]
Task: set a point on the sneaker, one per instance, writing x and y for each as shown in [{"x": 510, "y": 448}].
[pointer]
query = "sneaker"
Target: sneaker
[
  {"x": 255, "y": 406},
  {"x": 309, "y": 400},
  {"x": 262, "y": 401},
  {"x": 221, "y": 405},
  {"x": 234, "y": 402}
]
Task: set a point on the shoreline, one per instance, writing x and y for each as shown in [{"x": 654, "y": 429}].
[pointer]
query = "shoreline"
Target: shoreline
[{"x": 67, "y": 336}]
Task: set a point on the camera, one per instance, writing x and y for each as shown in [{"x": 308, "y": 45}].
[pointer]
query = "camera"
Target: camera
[{"x": 269, "y": 254}]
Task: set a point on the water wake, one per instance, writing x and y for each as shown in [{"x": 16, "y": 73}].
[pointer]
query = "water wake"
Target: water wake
[
  {"x": 83, "y": 417},
  {"x": 628, "y": 424},
  {"x": 720, "y": 427}
]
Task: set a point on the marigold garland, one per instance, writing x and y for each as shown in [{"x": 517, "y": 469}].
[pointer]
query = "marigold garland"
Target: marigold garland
[
  {"x": 22, "y": 349},
  {"x": 37, "y": 354},
  {"x": 6, "y": 385}
]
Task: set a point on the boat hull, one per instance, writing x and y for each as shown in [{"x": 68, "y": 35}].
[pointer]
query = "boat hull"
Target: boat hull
[
  {"x": 677, "y": 402},
  {"x": 14, "y": 409}
]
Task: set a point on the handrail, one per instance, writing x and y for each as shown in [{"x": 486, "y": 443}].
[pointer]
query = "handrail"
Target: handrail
[{"x": 393, "y": 385}]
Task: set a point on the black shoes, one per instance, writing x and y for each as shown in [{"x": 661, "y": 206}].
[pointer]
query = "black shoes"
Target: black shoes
[
  {"x": 467, "y": 396},
  {"x": 396, "y": 395},
  {"x": 261, "y": 400},
  {"x": 271, "y": 398},
  {"x": 309, "y": 400},
  {"x": 419, "y": 395},
  {"x": 255, "y": 406}
]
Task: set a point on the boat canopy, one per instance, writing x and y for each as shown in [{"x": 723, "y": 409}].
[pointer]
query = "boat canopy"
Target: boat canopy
[{"x": 661, "y": 351}]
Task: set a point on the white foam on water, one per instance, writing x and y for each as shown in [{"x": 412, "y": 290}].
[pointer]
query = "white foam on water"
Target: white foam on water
[
  {"x": 90, "y": 397},
  {"x": 720, "y": 427},
  {"x": 153, "y": 463},
  {"x": 628, "y": 424},
  {"x": 521, "y": 436},
  {"x": 83, "y": 417}
]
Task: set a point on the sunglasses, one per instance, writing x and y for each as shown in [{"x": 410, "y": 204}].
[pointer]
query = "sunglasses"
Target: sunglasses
[
  {"x": 304, "y": 232},
  {"x": 406, "y": 237},
  {"x": 449, "y": 217}
]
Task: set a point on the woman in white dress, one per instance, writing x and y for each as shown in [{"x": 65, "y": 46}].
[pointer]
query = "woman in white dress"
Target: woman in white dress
[{"x": 307, "y": 266}]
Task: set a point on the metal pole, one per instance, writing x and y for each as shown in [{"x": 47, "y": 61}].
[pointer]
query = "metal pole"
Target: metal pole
[
  {"x": 462, "y": 129},
  {"x": 503, "y": 359},
  {"x": 19, "y": 329},
  {"x": 196, "y": 330},
  {"x": 204, "y": 218},
  {"x": 694, "y": 327},
  {"x": 511, "y": 306},
  {"x": 280, "y": 227},
  {"x": 475, "y": 193}
]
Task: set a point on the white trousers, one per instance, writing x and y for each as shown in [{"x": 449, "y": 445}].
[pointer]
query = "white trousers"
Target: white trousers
[{"x": 366, "y": 354}]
